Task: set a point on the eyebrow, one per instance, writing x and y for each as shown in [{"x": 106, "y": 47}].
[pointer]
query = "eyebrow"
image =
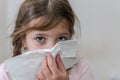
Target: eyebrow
[
  {"x": 41, "y": 34},
  {"x": 44, "y": 34},
  {"x": 64, "y": 34}
]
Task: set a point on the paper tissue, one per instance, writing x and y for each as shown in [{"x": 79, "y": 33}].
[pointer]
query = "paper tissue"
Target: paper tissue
[{"x": 26, "y": 65}]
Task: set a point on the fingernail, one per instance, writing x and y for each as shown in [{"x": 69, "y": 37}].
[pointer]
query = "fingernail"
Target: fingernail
[
  {"x": 59, "y": 56},
  {"x": 48, "y": 55}
]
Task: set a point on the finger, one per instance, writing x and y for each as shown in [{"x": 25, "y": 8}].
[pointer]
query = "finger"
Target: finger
[
  {"x": 40, "y": 76},
  {"x": 59, "y": 62},
  {"x": 45, "y": 70},
  {"x": 51, "y": 64}
]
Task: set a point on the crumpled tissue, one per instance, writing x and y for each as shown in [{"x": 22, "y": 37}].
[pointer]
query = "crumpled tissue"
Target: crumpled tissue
[{"x": 26, "y": 65}]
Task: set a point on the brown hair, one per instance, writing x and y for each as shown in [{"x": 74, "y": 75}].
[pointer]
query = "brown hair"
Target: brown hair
[{"x": 50, "y": 12}]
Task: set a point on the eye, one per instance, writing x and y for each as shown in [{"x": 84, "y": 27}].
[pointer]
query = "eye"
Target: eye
[
  {"x": 41, "y": 39},
  {"x": 62, "y": 38}
]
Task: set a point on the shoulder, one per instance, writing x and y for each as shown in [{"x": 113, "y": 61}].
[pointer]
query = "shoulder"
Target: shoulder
[
  {"x": 81, "y": 70},
  {"x": 2, "y": 67},
  {"x": 3, "y": 73}
]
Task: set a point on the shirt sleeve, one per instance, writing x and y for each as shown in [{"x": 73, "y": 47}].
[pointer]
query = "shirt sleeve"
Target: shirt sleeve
[
  {"x": 81, "y": 71},
  {"x": 3, "y": 73}
]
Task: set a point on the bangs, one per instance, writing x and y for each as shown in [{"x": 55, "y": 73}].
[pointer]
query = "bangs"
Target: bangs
[{"x": 44, "y": 23}]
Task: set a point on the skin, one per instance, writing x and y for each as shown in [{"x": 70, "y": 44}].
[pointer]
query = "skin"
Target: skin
[{"x": 49, "y": 69}]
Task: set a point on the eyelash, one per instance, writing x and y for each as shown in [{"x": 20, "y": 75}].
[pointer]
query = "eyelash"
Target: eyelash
[
  {"x": 40, "y": 39},
  {"x": 43, "y": 39},
  {"x": 62, "y": 37}
]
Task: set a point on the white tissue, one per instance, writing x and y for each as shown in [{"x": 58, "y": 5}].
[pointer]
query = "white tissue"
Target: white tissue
[{"x": 26, "y": 65}]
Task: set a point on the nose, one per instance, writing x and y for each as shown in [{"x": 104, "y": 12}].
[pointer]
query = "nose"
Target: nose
[{"x": 50, "y": 44}]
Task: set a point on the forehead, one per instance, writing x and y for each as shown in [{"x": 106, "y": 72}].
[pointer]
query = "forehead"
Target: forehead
[
  {"x": 58, "y": 29},
  {"x": 42, "y": 21},
  {"x": 44, "y": 24}
]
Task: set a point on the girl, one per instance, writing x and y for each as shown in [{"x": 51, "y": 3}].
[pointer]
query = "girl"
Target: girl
[{"x": 41, "y": 24}]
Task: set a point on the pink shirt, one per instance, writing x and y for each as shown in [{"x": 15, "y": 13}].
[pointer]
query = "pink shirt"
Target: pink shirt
[
  {"x": 80, "y": 71},
  {"x": 3, "y": 73}
]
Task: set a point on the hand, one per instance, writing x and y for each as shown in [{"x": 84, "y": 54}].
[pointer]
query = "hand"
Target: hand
[{"x": 52, "y": 70}]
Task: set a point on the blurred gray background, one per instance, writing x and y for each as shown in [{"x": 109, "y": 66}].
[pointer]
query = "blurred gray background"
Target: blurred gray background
[{"x": 100, "y": 27}]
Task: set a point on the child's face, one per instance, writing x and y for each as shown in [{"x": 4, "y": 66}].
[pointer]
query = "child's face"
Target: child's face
[{"x": 46, "y": 39}]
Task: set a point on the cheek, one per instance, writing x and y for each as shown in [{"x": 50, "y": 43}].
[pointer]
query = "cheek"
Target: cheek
[{"x": 33, "y": 45}]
